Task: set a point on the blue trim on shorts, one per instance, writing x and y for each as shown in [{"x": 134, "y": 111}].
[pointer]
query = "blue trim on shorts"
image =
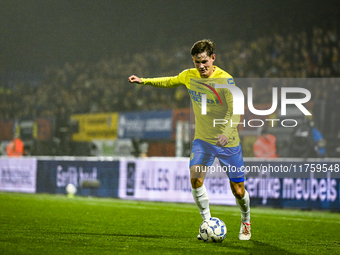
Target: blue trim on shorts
[{"x": 230, "y": 158}]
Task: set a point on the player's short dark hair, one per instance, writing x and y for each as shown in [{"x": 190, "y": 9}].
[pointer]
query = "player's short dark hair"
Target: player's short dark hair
[{"x": 205, "y": 45}]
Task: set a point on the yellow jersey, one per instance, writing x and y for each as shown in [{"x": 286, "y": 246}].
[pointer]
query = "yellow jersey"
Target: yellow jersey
[{"x": 206, "y": 128}]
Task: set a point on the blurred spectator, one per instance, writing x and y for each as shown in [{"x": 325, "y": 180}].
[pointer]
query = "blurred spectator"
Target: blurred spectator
[
  {"x": 319, "y": 142},
  {"x": 307, "y": 141},
  {"x": 15, "y": 148},
  {"x": 63, "y": 131},
  {"x": 265, "y": 145}
]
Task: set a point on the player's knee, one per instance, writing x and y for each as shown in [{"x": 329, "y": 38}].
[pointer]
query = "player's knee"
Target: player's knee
[
  {"x": 196, "y": 183},
  {"x": 238, "y": 192}
]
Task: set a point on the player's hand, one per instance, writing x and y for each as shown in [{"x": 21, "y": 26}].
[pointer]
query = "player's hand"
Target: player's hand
[
  {"x": 222, "y": 140},
  {"x": 135, "y": 79}
]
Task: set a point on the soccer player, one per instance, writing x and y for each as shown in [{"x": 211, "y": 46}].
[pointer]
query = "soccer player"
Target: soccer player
[{"x": 211, "y": 141}]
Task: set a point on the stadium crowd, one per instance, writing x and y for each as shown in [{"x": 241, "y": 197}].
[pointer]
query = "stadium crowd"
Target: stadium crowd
[{"x": 103, "y": 87}]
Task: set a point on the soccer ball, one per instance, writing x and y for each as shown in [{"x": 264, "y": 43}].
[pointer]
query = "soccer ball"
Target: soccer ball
[
  {"x": 71, "y": 190},
  {"x": 213, "y": 230}
]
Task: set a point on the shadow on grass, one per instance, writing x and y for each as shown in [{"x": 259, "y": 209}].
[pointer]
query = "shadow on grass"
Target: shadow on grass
[{"x": 261, "y": 248}]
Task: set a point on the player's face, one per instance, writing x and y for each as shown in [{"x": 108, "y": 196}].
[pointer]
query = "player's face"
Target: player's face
[{"x": 204, "y": 64}]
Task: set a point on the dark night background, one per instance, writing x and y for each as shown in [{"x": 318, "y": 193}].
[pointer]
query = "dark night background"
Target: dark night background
[
  {"x": 36, "y": 34},
  {"x": 65, "y": 57}
]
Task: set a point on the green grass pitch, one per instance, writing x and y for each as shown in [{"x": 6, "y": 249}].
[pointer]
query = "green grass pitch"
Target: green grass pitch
[{"x": 55, "y": 224}]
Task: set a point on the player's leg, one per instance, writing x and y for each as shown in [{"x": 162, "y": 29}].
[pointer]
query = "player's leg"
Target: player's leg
[
  {"x": 232, "y": 158},
  {"x": 243, "y": 202},
  {"x": 200, "y": 158},
  {"x": 199, "y": 192}
]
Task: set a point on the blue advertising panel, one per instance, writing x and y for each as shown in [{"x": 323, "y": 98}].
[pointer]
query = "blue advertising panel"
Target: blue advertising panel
[
  {"x": 54, "y": 175},
  {"x": 149, "y": 125},
  {"x": 300, "y": 184}
]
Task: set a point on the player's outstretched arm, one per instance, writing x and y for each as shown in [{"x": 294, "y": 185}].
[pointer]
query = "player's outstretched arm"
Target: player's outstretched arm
[
  {"x": 160, "y": 82},
  {"x": 135, "y": 79}
]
